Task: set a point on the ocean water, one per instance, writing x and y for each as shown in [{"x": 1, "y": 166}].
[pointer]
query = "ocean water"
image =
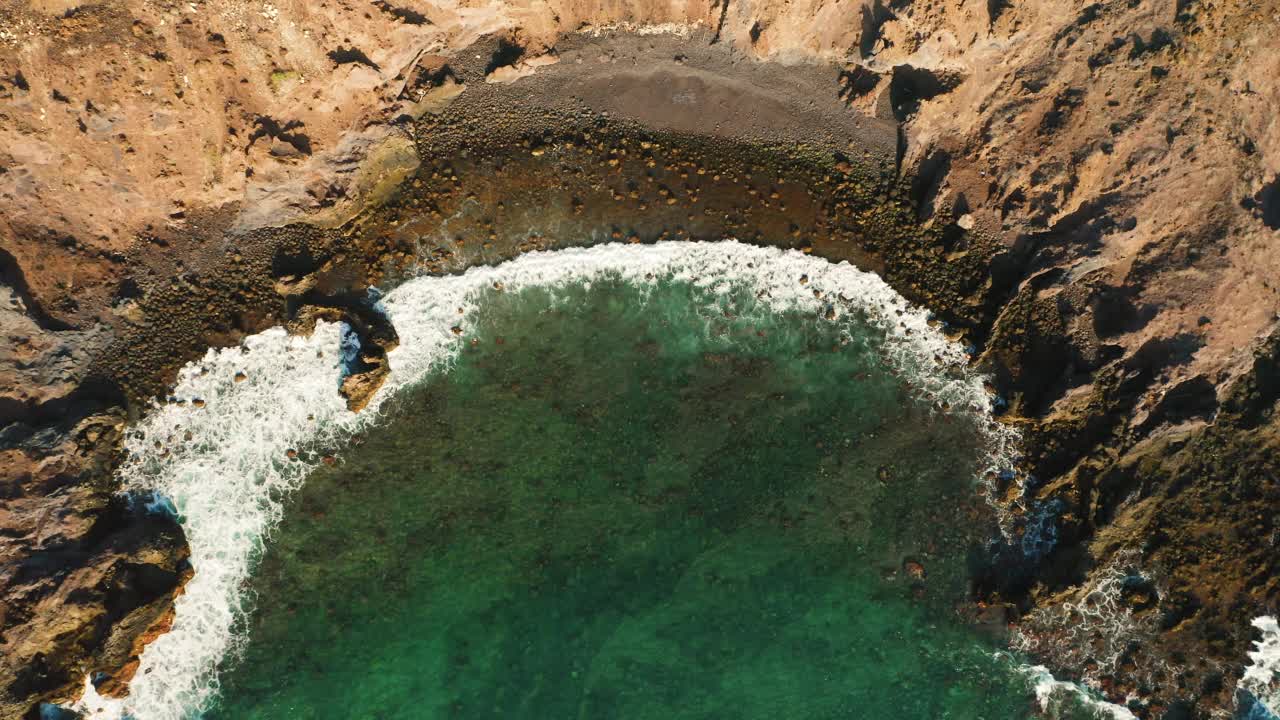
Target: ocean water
[
  {"x": 692, "y": 480},
  {"x": 633, "y": 501}
]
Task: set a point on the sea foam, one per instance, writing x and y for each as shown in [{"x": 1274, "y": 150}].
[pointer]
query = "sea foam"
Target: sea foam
[
  {"x": 247, "y": 424},
  {"x": 1061, "y": 697},
  {"x": 1261, "y": 678}
]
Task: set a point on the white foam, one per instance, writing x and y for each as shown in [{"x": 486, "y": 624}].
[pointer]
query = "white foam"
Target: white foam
[
  {"x": 1061, "y": 697},
  {"x": 226, "y": 465},
  {"x": 1098, "y": 626},
  {"x": 1262, "y": 677},
  {"x": 1095, "y": 629}
]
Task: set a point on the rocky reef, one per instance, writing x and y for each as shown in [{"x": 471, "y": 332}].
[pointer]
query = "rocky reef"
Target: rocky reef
[{"x": 1086, "y": 193}]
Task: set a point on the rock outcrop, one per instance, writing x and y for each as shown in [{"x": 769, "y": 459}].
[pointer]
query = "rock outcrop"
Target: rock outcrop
[
  {"x": 86, "y": 575},
  {"x": 1092, "y": 188}
]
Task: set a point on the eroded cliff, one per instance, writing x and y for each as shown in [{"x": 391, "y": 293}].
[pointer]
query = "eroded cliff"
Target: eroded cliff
[{"x": 1087, "y": 192}]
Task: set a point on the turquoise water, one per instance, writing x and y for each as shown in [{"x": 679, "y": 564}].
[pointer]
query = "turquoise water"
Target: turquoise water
[{"x": 626, "y": 503}]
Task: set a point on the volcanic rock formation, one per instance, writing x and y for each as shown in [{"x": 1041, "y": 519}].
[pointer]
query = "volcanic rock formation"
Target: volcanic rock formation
[{"x": 1085, "y": 192}]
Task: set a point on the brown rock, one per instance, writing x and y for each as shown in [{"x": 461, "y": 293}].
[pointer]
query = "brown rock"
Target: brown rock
[{"x": 1091, "y": 182}]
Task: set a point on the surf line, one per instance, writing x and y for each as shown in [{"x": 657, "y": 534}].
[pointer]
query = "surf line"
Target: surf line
[{"x": 247, "y": 424}]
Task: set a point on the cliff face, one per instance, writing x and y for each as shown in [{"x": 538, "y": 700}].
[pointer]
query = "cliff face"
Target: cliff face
[{"x": 1104, "y": 178}]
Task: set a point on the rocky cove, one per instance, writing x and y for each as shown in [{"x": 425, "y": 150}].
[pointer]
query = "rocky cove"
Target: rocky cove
[{"x": 1099, "y": 240}]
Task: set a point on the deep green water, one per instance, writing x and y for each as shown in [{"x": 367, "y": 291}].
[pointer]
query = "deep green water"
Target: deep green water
[{"x": 622, "y": 508}]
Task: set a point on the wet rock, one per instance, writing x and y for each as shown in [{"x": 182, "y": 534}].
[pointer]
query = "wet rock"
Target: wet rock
[{"x": 82, "y": 594}]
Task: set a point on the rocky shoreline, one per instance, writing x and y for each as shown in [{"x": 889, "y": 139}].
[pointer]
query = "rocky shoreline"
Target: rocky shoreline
[{"x": 1075, "y": 214}]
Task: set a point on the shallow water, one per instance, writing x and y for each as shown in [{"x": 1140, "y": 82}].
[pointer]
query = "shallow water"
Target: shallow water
[{"x": 633, "y": 503}]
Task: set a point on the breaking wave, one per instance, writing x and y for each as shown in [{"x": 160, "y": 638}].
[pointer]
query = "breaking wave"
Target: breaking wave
[
  {"x": 1261, "y": 680},
  {"x": 245, "y": 425}
]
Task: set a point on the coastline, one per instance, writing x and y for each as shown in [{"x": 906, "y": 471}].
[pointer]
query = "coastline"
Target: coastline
[{"x": 1138, "y": 429}]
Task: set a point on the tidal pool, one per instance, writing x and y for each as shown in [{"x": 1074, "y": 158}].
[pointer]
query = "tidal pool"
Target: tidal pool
[
  {"x": 684, "y": 480},
  {"x": 635, "y": 502}
]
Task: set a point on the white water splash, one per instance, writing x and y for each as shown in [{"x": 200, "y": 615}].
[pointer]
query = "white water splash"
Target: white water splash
[
  {"x": 252, "y": 421},
  {"x": 1098, "y": 626},
  {"x": 1061, "y": 697},
  {"x": 1094, "y": 630},
  {"x": 1261, "y": 678}
]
